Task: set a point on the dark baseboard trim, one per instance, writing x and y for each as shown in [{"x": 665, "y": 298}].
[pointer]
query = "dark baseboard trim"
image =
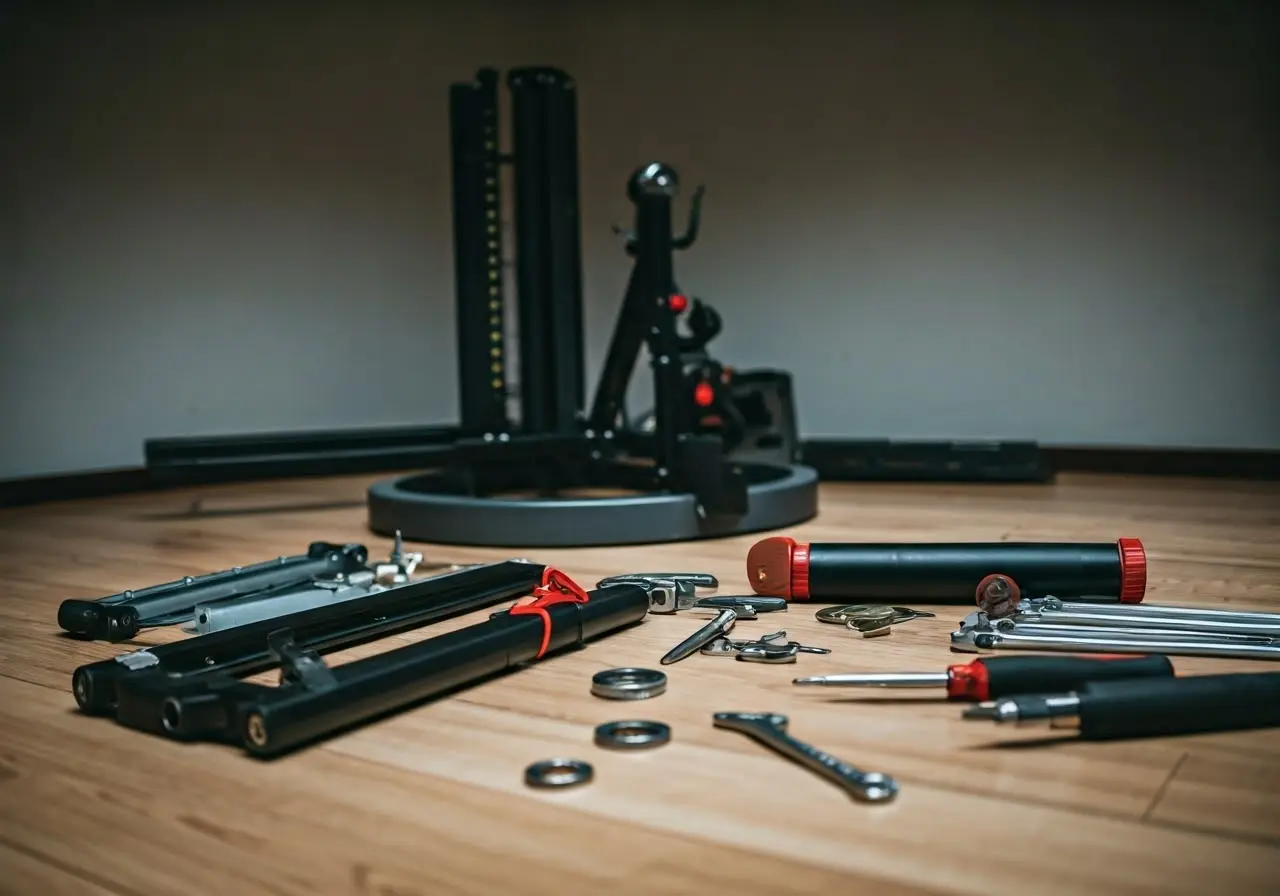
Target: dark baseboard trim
[
  {"x": 1191, "y": 462},
  {"x": 1210, "y": 463}
]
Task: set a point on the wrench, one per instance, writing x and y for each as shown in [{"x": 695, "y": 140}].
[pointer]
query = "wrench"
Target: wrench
[{"x": 770, "y": 729}]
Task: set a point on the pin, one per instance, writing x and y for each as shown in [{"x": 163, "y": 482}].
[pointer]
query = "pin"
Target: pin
[{"x": 716, "y": 628}]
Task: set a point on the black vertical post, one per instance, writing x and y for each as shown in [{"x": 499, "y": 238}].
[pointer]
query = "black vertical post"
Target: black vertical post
[
  {"x": 548, "y": 249},
  {"x": 652, "y": 189},
  {"x": 477, "y": 253}
]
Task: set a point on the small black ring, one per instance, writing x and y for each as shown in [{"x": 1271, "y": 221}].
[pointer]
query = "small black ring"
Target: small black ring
[{"x": 632, "y": 735}]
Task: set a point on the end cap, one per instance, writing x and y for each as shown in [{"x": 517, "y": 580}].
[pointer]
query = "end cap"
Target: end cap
[{"x": 1133, "y": 570}]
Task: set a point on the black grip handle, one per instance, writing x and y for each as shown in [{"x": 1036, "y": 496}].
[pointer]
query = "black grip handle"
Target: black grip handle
[
  {"x": 1146, "y": 708},
  {"x": 1009, "y": 676}
]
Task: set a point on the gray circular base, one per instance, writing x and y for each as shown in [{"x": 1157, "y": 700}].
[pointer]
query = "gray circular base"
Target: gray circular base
[{"x": 778, "y": 497}]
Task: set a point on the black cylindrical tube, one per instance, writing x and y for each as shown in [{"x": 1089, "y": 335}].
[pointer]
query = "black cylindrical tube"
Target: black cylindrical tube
[
  {"x": 1158, "y": 707},
  {"x": 945, "y": 573},
  {"x": 286, "y": 718},
  {"x": 951, "y": 572}
]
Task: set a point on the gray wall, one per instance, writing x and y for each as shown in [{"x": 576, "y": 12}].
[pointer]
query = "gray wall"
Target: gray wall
[{"x": 1016, "y": 220}]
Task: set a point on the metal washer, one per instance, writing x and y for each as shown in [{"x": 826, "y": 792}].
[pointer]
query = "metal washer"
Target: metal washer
[
  {"x": 628, "y": 683},
  {"x": 558, "y": 773},
  {"x": 634, "y": 734}
]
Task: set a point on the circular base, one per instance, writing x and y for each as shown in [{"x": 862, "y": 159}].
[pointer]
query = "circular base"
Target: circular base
[{"x": 422, "y": 509}]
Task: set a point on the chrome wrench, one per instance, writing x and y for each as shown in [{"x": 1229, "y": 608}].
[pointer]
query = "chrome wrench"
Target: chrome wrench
[{"x": 770, "y": 729}]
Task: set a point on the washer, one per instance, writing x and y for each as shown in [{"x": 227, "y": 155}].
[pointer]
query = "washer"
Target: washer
[
  {"x": 558, "y": 773},
  {"x": 632, "y": 735},
  {"x": 628, "y": 683}
]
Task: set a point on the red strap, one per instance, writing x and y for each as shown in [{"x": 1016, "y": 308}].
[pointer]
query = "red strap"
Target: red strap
[{"x": 556, "y": 588}]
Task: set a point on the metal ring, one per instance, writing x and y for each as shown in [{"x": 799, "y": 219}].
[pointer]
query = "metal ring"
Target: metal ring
[
  {"x": 558, "y": 773},
  {"x": 632, "y": 735},
  {"x": 628, "y": 684}
]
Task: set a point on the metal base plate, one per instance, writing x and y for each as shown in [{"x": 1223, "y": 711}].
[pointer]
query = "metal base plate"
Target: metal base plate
[{"x": 422, "y": 508}]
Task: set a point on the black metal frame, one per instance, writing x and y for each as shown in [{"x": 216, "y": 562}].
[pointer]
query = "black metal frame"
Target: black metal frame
[
  {"x": 195, "y": 689},
  {"x": 695, "y": 447}
]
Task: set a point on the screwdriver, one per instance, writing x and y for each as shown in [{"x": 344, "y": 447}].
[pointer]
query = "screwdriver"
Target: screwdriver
[
  {"x": 990, "y": 678},
  {"x": 1108, "y": 710}
]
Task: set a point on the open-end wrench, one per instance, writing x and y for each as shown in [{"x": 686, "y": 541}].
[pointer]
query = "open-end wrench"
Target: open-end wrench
[{"x": 770, "y": 729}]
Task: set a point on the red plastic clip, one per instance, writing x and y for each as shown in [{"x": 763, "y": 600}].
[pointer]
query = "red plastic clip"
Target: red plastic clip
[{"x": 556, "y": 588}]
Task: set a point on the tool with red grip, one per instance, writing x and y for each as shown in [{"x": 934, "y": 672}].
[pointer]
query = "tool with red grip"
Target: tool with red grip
[
  {"x": 1008, "y": 676},
  {"x": 946, "y": 573}
]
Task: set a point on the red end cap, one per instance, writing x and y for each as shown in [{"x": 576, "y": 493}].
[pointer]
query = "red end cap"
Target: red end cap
[
  {"x": 1133, "y": 571},
  {"x": 779, "y": 567},
  {"x": 969, "y": 682},
  {"x": 678, "y": 303},
  {"x": 703, "y": 395}
]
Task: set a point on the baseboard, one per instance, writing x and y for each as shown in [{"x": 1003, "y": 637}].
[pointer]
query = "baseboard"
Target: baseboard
[{"x": 1191, "y": 462}]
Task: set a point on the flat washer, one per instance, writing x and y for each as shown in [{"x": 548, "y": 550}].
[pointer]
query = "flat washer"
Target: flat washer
[
  {"x": 558, "y": 773},
  {"x": 634, "y": 734},
  {"x": 628, "y": 683}
]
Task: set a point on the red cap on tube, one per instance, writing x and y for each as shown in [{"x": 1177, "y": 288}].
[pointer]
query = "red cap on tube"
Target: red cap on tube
[{"x": 1133, "y": 570}]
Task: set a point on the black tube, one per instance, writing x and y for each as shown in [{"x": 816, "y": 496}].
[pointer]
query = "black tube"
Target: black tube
[
  {"x": 1158, "y": 707},
  {"x": 951, "y": 572},
  {"x": 118, "y": 617},
  {"x": 282, "y": 719},
  {"x": 945, "y": 573}
]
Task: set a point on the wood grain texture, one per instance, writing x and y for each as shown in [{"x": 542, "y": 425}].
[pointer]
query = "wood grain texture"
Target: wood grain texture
[{"x": 431, "y": 801}]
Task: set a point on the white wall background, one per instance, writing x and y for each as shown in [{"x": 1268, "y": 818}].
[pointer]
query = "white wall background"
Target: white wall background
[{"x": 1020, "y": 220}]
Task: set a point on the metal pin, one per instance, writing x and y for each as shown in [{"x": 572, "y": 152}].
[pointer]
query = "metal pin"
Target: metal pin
[{"x": 716, "y": 628}]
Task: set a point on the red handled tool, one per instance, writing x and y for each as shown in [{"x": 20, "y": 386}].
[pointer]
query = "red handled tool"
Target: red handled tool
[{"x": 1006, "y": 676}]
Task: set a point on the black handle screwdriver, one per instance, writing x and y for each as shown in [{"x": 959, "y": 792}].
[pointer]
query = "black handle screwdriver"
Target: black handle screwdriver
[
  {"x": 1004, "y": 676},
  {"x": 1108, "y": 710}
]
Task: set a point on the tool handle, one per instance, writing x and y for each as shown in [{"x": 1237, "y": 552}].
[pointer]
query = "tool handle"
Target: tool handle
[
  {"x": 1145, "y": 708},
  {"x": 1010, "y": 676}
]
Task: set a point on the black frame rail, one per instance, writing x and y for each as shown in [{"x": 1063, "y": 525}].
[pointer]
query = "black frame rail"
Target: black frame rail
[{"x": 194, "y": 689}]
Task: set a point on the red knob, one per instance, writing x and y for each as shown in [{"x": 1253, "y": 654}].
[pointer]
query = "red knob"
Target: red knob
[
  {"x": 678, "y": 303},
  {"x": 703, "y": 395}
]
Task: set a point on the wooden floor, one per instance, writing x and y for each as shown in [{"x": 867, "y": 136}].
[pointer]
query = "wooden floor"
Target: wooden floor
[{"x": 432, "y": 801}]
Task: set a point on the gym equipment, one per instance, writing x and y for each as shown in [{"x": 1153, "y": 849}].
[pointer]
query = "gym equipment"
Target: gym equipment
[{"x": 718, "y": 455}]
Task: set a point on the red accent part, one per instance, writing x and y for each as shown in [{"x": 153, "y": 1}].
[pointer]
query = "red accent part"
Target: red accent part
[
  {"x": 1133, "y": 570},
  {"x": 800, "y": 571},
  {"x": 969, "y": 682},
  {"x": 678, "y": 303},
  {"x": 556, "y": 588},
  {"x": 773, "y": 564},
  {"x": 703, "y": 395}
]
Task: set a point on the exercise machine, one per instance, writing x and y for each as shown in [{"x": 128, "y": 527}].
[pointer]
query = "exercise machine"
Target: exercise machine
[{"x": 537, "y": 466}]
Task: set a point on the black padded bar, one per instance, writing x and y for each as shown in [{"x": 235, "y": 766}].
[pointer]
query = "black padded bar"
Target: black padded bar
[
  {"x": 548, "y": 250},
  {"x": 477, "y": 252}
]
